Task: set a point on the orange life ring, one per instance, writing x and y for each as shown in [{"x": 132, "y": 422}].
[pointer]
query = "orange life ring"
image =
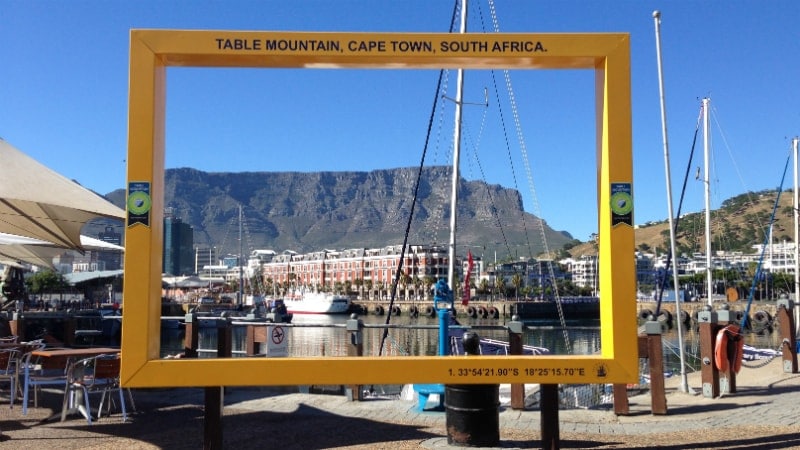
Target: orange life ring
[{"x": 729, "y": 348}]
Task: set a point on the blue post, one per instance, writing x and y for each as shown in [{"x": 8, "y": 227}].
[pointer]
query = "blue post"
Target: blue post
[{"x": 443, "y": 301}]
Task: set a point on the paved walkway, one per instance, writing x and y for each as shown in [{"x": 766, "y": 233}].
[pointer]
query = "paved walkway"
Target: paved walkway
[
  {"x": 765, "y": 395},
  {"x": 255, "y": 417}
]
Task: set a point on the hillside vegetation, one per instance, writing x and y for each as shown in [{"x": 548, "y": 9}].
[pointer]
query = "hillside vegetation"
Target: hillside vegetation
[{"x": 740, "y": 223}]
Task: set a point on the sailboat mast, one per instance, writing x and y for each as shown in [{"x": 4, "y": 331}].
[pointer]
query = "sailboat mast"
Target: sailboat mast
[
  {"x": 241, "y": 260},
  {"x": 456, "y": 153},
  {"x": 795, "y": 206},
  {"x": 707, "y": 186},
  {"x": 668, "y": 177}
]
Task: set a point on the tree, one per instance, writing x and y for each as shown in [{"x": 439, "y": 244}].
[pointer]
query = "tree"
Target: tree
[
  {"x": 516, "y": 280},
  {"x": 417, "y": 282},
  {"x": 483, "y": 286},
  {"x": 500, "y": 285},
  {"x": 45, "y": 281},
  {"x": 405, "y": 280},
  {"x": 368, "y": 287},
  {"x": 428, "y": 282}
]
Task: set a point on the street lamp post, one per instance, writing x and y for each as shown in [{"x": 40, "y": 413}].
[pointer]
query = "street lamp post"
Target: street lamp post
[{"x": 210, "y": 248}]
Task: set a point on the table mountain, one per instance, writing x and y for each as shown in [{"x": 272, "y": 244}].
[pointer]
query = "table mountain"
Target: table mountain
[{"x": 305, "y": 212}]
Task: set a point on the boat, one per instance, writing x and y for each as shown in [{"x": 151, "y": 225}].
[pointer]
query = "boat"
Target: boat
[
  {"x": 751, "y": 353},
  {"x": 317, "y": 303},
  {"x": 274, "y": 311},
  {"x": 492, "y": 346}
]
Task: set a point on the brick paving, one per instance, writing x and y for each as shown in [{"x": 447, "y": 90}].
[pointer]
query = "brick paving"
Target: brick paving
[{"x": 762, "y": 414}]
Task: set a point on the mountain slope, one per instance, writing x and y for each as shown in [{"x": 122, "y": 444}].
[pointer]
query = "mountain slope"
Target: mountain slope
[
  {"x": 740, "y": 223},
  {"x": 336, "y": 210}
]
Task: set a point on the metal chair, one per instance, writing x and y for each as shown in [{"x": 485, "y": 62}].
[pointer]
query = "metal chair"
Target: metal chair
[
  {"x": 99, "y": 374},
  {"x": 34, "y": 375},
  {"x": 9, "y": 362}
]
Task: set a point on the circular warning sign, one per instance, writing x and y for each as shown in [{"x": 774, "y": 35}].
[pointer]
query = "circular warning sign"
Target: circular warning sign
[{"x": 278, "y": 335}]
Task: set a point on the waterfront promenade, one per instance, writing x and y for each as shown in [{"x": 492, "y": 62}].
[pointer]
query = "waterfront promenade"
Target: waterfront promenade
[{"x": 761, "y": 415}]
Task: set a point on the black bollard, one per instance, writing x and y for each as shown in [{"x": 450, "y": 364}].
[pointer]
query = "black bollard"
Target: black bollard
[{"x": 472, "y": 414}]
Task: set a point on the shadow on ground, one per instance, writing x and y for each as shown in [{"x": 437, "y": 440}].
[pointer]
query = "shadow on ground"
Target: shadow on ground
[{"x": 181, "y": 426}]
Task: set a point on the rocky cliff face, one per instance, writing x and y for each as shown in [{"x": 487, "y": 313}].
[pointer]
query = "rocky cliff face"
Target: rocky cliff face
[{"x": 336, "y": 210}]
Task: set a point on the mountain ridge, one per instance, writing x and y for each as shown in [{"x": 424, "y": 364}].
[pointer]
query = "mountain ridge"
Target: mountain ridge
[
  {"x": 309, "y": 211},
  {"x": 737, "y": 225}
]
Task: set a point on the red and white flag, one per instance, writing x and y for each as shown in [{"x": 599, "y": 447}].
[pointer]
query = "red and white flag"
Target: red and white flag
[{"x": 470, "y": 264}]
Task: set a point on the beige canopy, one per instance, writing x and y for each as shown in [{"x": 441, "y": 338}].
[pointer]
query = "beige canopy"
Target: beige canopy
[
  {"x": 37, "y": 202},
  {"x": 40, "y": 253}
]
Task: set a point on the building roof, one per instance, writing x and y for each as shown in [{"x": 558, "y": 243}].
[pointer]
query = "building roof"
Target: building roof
[{"x": 79, "y": 277}]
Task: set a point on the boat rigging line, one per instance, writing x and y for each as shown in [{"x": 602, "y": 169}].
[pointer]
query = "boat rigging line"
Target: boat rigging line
[
  {"x": 399, "y": 271},
  {"x": 677, "y": 216},
  {"x": 526, "y": 163},
  {"x": 767, "y": 243}
]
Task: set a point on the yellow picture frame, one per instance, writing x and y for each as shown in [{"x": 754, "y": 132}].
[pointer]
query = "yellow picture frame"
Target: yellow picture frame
[{"x": 152, "y": 51}]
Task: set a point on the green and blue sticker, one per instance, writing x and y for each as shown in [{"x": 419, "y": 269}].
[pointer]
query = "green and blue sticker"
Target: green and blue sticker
[
  {"x": 139, "y": 203},
  {"x": 621, "y": 204}
]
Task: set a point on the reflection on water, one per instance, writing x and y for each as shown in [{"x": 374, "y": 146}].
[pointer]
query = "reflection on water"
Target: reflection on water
[{"x": 325, "y": 335}]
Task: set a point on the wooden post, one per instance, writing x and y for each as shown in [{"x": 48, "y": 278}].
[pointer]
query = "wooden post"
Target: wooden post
[
  {"x": 515, "y": 348},
  {"x": 709, "y": 375},
  {"x": 250, "y": 345},
  {"x": 212, "y": 423},
  {"x": 69, "y": 330},
  {"x": 621, "y": 405},
  {"x": 191, "y": 340},
  {"x": 789, "y": 349},
  {"x": 17, "y": 326},
  {"x": 655, "y": 359},
  {"x": 224, "y": 338},
  {"x": 255, "y": 340},
  {"x": 549, "y": 416},
  {"x": 215, "y": 395},
  {"x": 649, "y": 347},
  {"x": 355, "y": 331},
  {"x": 727, "y": 377}
]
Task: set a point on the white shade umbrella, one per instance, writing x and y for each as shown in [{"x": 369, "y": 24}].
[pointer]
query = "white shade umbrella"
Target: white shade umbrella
[
  {"x": 32, "y": 251},
  {"x": 37, "y": 202}
]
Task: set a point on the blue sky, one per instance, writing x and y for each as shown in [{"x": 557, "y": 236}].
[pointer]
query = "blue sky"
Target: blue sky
[{"x": 65, "y": 77}]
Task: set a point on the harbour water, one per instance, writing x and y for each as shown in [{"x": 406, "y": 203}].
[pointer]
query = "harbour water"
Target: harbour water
[{"x": 325, "y": 335}]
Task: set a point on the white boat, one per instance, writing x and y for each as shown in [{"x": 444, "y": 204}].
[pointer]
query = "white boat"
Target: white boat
[{"x": 318, "y": 303}]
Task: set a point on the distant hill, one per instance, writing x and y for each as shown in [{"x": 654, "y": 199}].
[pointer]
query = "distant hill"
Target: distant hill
[
  {"x": 740, "y": 223},
  {"x": 336, "y": 210}
]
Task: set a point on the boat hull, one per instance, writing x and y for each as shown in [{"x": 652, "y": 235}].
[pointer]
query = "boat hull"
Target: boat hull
[
  {"x": 574, "y": 308},
  {"x": 318, "y": 303}
]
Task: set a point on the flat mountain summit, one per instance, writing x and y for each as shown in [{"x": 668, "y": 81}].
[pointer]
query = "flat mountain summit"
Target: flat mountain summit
[{"x": 312, "y": 211}]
